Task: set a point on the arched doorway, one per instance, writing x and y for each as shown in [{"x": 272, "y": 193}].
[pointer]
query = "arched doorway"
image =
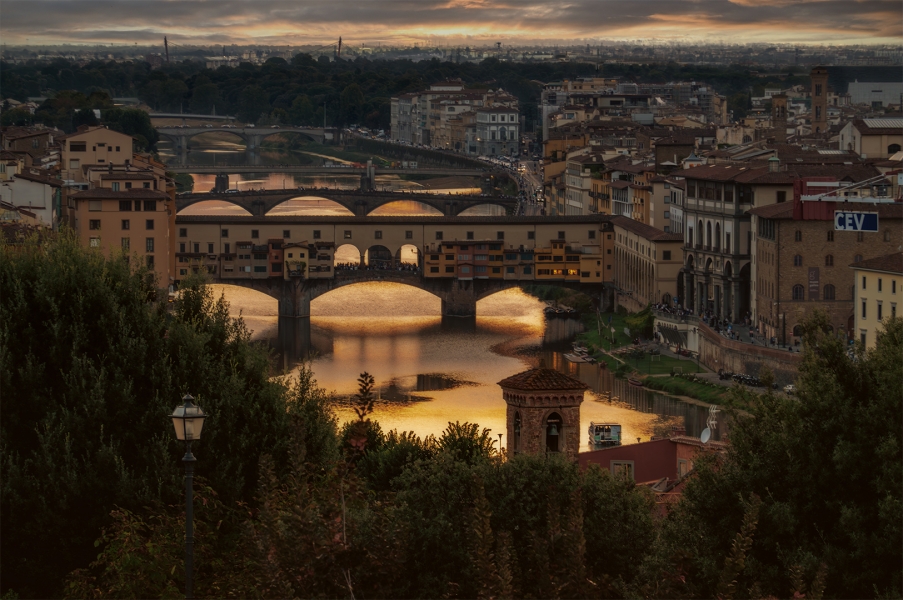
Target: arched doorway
[
  {"x": 554, "y": 433},
  {"x": 379, "y": 257},
  {"x": 347, "y": 257},
  {"x": 408, "y": 257}
]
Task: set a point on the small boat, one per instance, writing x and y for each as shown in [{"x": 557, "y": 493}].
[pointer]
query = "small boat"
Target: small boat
[
  {"x": 602, "y": 435},
  {"x": 635, "y": 382}
]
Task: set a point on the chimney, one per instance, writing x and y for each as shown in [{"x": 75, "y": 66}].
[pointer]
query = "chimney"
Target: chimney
[
  {"x": 774, "y": 164},
  {"x": 677, "y": 430}
]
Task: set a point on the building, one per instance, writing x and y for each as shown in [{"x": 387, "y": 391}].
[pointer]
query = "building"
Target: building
[
  {"x": 878, "y": 284},
  {"x": 799, "y": 263},
  {"x": 819, "y": 115},
  {"x": 136, "y": 221},
  {"x": 872, "y": 138},
  {"x": 577, "y": 179},
  {"x": 93, "y": 146},
  {"x": 543, "y": 414},
  {"x": 647, "y": 264},
  {"x": 37, "y": 192},
  {"x": 498, "y": 131}
]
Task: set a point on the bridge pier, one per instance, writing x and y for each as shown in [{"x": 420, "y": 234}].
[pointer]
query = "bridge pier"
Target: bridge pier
[
  {"x": 294, "y": 301},
  {"x": 459, "y": 300}
]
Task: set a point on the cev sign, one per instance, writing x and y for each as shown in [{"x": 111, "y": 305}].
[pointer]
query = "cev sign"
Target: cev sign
[{"x": 855, "y": 221}]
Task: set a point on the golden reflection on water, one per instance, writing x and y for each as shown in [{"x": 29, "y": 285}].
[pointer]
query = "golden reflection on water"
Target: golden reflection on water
[{"x": 396, "y": 333}]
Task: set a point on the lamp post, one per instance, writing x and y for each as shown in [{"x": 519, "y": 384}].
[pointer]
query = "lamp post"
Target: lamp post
[{"x": 188, "y": 420}]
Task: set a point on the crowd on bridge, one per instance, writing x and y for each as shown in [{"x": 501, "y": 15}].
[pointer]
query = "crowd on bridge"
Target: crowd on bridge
[{"x": 378, "y": 265}]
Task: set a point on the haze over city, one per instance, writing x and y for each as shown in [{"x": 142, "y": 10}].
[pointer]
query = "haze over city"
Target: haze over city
[{"x": 442, "y": 22}]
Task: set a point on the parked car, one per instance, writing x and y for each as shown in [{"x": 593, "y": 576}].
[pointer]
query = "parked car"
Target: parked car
[{"x": 790, "y": 389}]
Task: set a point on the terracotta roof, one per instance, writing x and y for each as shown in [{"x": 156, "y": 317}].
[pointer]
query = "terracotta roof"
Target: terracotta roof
[
  {"x": 647, "y": 231},
  {"x": 542, "y": 379},
  {"x": 784, "y": 210},
  {"x": 100, "y": 193},
  {"x": 37, "y": 178},
  {"x": 889, "y": 263},
  {"x": 126, "y": 175},
  {"x": 620, "y": 184}
]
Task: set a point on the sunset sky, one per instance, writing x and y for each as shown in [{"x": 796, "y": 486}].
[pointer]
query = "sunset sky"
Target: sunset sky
[{"x": 449, "y": 22}]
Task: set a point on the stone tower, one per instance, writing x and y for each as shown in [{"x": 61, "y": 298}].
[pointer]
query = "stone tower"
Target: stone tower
[
  {"x": 819, "y": 115},
  {"x": 543, "y": 412},
  {"x": 779, "y": 117}
]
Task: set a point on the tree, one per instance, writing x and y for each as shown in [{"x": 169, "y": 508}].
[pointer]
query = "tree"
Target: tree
[
  {"x": 253, "y": 103},
  {"x": 302, "y": 111},
  {"x": 203, "y": 98},
  {"x": 825, "y": 464},
  {"x": 90, "y": 370},
  {"x": 131, "y": 121},
  {"x": 352, "y": 101}
]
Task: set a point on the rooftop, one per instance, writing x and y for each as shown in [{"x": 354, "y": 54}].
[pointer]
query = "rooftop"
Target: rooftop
[
  {"x": 889, "y": 263},
  {"x": 542, "y": 379}
]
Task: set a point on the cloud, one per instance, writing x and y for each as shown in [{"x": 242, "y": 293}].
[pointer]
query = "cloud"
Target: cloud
[{"x": 299, "y": 22}]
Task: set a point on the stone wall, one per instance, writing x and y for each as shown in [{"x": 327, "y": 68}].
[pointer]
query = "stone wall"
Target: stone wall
[
  {"x": 533, "y": 414},
  {"x": 717, "y": 352}
]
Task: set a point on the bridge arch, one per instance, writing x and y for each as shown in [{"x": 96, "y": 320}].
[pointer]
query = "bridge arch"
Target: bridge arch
[
  {"x": 265, "y": 134},
  {"x": 463, "y": 212},
  {"x": 188, "y": 202},
  {"x": 347, "y": 255}
]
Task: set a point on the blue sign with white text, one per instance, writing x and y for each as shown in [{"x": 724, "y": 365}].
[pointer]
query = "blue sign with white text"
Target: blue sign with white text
[{"x": 855, "y": 221}]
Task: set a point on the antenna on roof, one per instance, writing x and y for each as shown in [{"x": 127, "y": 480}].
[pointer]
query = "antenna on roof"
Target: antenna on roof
[{"x": 711, "y": 423}]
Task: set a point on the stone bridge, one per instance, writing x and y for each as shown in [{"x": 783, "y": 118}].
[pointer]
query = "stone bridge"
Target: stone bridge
[
  {"x": 361, "y": 204},
  {"x": 252, "y": 136},
  {"x": 459, "y": 297}
]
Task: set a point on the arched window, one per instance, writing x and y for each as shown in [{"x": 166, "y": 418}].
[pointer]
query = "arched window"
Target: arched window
[
  {"x": 798, "y": 236},
  {"x": 829, "y": 292},
  {"x": 893, "y": 148},
  {"x": 797, "y": 261},
  {"x": 516, "y": 429},
  {"x": 717, "y": 236},
  {"x": 798, "y": 292},
  {"x": 829, "y": 260},
  {"x": 708, "y": 234},
  {"x": 797, "y": 330},
  {"x": 553, "y": 432},
  {"x": 830, "y": 236}
]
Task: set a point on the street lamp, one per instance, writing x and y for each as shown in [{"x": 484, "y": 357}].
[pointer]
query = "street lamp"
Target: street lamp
[{"x": 188, "y": 420}]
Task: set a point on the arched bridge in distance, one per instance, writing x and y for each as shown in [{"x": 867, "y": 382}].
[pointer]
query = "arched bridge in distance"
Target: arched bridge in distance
[
  {"x": 252, "y": 136},
  {"x": 361, "y": 204}
]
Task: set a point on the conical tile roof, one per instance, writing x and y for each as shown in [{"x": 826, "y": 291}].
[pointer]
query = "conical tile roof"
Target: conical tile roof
[{"x": 542, "y": 379}]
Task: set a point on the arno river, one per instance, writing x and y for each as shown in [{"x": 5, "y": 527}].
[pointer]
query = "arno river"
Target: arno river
[{"x": 431, "y": 370}]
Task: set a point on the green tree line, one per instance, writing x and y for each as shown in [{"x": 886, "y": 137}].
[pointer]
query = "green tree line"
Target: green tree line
[
  {"x": 305, "y": 90},
  {"x": 805, "y": 503}
]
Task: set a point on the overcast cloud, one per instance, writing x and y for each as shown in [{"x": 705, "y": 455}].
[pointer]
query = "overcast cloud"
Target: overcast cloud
[{"x": 300, "y": 22}]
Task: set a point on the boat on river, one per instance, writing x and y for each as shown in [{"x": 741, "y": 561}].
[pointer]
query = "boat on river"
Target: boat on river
[{"x": 604, "y": 435}]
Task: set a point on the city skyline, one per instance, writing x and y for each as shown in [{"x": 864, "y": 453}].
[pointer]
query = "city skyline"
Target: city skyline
[{"x": 450, "y": 22}]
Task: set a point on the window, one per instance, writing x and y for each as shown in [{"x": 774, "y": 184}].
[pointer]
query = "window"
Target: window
[
  {"x": 150, "y": 261},
  {"x": 117, "y": 150},
  {"x": 449, "y": 269},
  {"x": 149, "y": 245},
  {"x": 798, "y": 236},
  {"x": 465, "y": 269},
  {"x": 94, "y": 224},
  {"x": 829, "y": 260},
  {"x": 261, "y": 269},
  {"x": 449, "y": 257},
  {"x": 73, "y": 163},
  {"x": 125, "y": 206},
  {"x": 666, "y": 255},
  {"x": 879, "y": 284},
  {"x": 798, "y": 293},
  {"x": 126, "y": 224},
  {"x": 224, "y": 233},
  {"x": 95, "y": 205},
  {"x": 857, "y": 258},
  {"x": 592, "y": 234},
  {"x": 149, "y": 224},
  {"x": 94, "y": 242},
  {"x": 893, "y": 286},
  {"x": 128, "y": 184},
  {"x": 893, "y": 311},
  {"x": 434, "y": 269},
  {"x": 126, "y": 243},
  {"x": 255, "y": 233},
  {"x": 479, "y": 269},
  {"x": 830, "y": 236},
  {"x": 561, "y": 235},
  {"x": 209, "y": 247},
  {"x": 438, "y": 235},
  {"x": 880, "y": 310},
  {"x": 531, "y": 235},
  {"x": 782, "y": 197},
  {"x": 114, "y": 186},
  {"x": 146, "y": 185},
  {"x": 797, "y": 261},
  {"x": 829, "y": 292},
  {"x": 470, "y": 235},
  {"x": 622, "y": 466},
  {"x": 78, "y": 146},
  {"x": 863, "y": 282},
  {"x": 863, "y": 308},
  {"x": 509, "y": 270},
  {"x": 150, "y": 205},
  {"x": 409, "y": 235},
  {"x": 181, "y": 246},
  {"x": 286, "y": 234},
  {"x": 528, "y": 270},
  {"x": 316, "y": 234},
  {"x": 862, "y": 336},
  {"x": 137, "y": 205},
  {"x": 499, "y": 235}
]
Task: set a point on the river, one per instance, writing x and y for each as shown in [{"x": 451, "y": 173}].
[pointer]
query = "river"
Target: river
[{"x": 429, "y": 370}]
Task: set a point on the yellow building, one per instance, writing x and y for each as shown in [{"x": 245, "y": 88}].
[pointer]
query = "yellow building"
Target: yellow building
[
  {"x": 93, "y": 146},
  {"x": 879, "y": 287},
  {"x": 647, "y": 263}
]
